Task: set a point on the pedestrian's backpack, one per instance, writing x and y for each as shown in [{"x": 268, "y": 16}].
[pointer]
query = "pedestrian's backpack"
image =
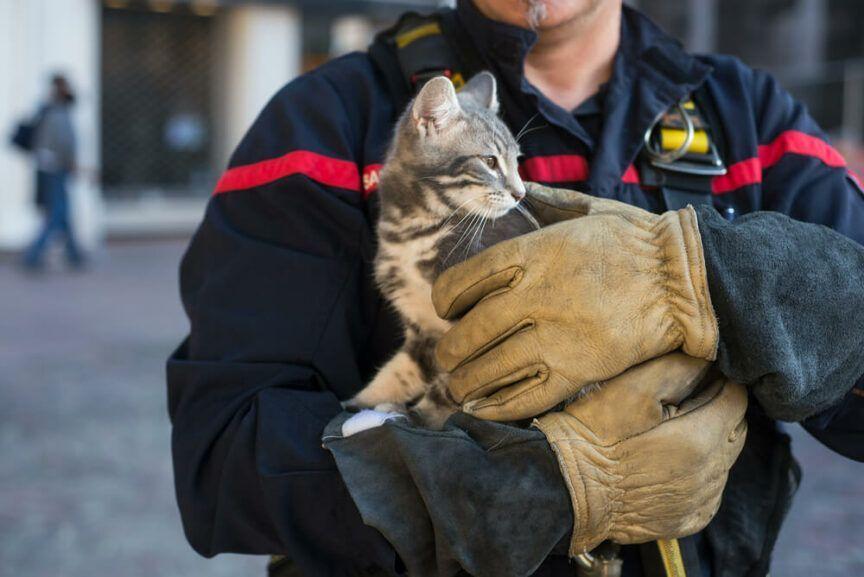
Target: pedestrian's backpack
[{"x": 24, "y": 135}]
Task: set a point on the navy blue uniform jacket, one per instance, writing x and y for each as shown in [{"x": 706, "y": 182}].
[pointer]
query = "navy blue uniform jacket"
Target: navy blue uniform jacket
[{"x": 277, "y": 282}]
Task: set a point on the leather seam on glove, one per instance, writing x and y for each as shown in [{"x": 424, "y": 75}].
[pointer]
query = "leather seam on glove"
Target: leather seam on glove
[
  {"x": 497, "y": 403},
  {"x": 674, "y": 327},
  {"x": 524, "y": 325},
  {"x": 569, "y": 210},
  {"x": 476, "y": 403},
  {"x": 699, "y": 281},
  {"x": 518, "y": 274}
]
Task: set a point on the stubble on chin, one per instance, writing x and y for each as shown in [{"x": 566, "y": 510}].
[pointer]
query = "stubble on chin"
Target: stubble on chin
[{"x": 535, "y": 13}]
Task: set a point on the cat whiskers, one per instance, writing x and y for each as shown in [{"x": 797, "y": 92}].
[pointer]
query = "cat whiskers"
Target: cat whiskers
[
  {"x": 458, "y": 224},
  {"x": 525, "y": 130},
  {"x": 456, "y": 210},
  {"x": 528, "y": 216},
  {"x": 478, "y": 232},
  {"x": 522, "y": 130},
  {"x": 536, "y": 128},
  {"x": 475, "y": 218}
]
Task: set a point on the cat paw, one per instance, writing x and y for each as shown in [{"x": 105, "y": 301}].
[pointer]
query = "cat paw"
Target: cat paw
[
  {"x": 432, "y": 415},
  {"x": 392, "y": 408},
  {"x": 351, "y": 405},
  {"x": 365, "y": 399}
]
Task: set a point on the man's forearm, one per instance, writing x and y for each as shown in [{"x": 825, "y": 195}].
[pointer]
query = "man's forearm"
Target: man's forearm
[
  {"x": 250, "y": 473},
  {"x": 789, "y": 297}
]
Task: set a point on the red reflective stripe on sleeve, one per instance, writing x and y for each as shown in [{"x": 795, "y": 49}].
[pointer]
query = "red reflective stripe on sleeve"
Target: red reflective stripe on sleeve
[
  {"x": 322, "y": 169},
  {"x": 797, "y": 142},
  {"x": 556, "y": 168},
  {"x": 737, "y": 175},
  {"x": 371, "y": 178},
  {"x": 565, "y": 168},
  {"x": 749, "y": 171}
]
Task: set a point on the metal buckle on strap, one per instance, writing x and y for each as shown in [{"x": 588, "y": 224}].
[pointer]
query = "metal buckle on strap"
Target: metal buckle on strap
[
  {"x": 591, "y": 566},
  {"x": 680, "y": 159},
  {"x": 603, "y": 561}
]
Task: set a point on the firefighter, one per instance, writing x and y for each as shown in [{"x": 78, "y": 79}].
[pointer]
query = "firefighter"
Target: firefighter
[{"x": 754, "y": 227}]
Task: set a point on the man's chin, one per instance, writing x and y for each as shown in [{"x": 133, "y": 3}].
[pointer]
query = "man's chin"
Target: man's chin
[
  {"x": 536, "y": 13},
  {"x": 549, "y": 14}
]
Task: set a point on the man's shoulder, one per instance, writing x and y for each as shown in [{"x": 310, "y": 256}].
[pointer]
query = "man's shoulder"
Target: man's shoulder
[
  {"x": 731, "y": 72},
  {"x": 352, "y": 75},
  {"x": 727, "y": 68},
  {"x": 744, "y": 88},
  {"x": 330, "y": 125}
]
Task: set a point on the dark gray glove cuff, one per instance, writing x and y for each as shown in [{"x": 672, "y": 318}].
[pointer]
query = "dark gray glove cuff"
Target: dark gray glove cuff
[
  {"x": 483, "y": 497},
  {"x": 789, "y": 297}
]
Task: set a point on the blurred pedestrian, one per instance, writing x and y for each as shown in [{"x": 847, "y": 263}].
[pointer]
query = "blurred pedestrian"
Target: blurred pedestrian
[{"x": 53, "y": 151}]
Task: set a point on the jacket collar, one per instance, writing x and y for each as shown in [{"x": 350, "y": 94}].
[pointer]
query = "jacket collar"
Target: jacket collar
[
  {"x": 651, "y": 73},
  {"x": 644, "y": 48}
]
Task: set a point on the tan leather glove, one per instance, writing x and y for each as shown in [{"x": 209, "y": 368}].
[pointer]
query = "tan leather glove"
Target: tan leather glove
[
  {"x": 580, "y": 301},
  {"x": 641, "y": 463}
]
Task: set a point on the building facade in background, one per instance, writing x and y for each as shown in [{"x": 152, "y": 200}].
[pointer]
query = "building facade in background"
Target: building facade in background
[{"x": 168, "y": 87}]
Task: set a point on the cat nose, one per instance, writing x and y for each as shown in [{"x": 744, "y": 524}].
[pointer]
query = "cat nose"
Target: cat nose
[{"x": 518, "y": 193}]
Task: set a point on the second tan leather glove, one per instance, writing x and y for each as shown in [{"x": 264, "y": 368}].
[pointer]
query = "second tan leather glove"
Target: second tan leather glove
[
  {"x": 642, "y": 459},
  {"x": 544, "y": 314}
]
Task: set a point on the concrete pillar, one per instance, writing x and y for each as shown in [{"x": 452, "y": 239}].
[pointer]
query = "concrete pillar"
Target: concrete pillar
[
  {"x": 261, "y": 51},
  {"x": 350, "y": 33},
  {"x": 38, "y": 37},
  {"x": 810, "y": 31},
  {"x": 702, "y": 33}
]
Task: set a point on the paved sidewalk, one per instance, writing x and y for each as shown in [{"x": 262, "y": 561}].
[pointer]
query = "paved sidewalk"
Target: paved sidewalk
[
  {"x": 85, "y": 477},
  {"x": 86, "y": 486}
]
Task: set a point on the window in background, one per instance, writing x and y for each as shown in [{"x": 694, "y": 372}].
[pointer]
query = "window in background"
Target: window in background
[{"x": 157, "y": 82}]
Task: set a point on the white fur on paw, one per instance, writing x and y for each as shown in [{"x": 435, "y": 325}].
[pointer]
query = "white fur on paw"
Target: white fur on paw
[
  {"x": 391, "y": 408},
  {"x": 368, "y": 419}
]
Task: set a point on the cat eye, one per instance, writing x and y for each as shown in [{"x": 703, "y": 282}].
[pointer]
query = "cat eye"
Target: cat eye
[{"x": 490, "y": 161}]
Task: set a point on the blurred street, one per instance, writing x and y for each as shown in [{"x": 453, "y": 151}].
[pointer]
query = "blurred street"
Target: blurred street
[
  {"x": 86, "y": 487},
  {"x": 86, "y": 484}
]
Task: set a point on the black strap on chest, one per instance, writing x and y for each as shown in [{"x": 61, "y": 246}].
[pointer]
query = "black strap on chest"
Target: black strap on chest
[
  {"x": 420, "y": 47},
  {"x": 681, "y": 154}
]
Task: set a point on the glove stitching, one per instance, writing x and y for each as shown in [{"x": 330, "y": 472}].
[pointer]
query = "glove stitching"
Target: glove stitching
[
  {"x": 552, "y": 206},
  {"x": 680, "y": 214},
  {"x": 519, "y": 272},
  {"x": 665, "y": 259},
  {"x": 563, "y": 452},
  {"x": 581, "y": 502},
  {"x": 526, "y": 324},
  {"x": 700, "y": 288},
  {"x": 498, "y": 403}
]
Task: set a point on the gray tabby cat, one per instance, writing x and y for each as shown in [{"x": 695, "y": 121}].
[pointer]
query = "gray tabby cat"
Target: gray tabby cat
[{"x": 447, "y": 191}]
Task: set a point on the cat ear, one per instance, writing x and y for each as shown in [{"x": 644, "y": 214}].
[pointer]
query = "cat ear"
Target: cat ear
[
  {"x": 436, "y": 105},
  {"x": 483, "y": 89}
]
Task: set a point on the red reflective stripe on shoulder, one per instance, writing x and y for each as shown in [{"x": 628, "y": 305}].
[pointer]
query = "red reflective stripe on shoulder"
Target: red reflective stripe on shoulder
[
  {"x": 322, "y": 169},
  {"x": 630, "y": 176},
  {"x": 371, "y": 178},
  {"x": 555, "y": 168},
  {"x": 749, "y": 171}
]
